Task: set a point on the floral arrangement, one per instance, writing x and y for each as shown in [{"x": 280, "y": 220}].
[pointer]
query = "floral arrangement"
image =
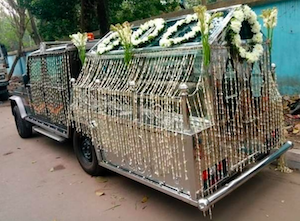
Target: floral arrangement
[
  {"x": 108, "y": 43},
  {"x": 167, "y": 41},
  {"x": 253, "y": 52},
  {"x": 79, "y": 40},
  {"x": 269, "y": 17},
  {"x": 124, "y": 31},
  {"x": 205, "y": 23},
  {"x": 158, "y": 24}
]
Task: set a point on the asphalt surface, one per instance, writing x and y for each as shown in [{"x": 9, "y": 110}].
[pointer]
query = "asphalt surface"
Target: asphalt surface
[{"x": 29, "y": 191}]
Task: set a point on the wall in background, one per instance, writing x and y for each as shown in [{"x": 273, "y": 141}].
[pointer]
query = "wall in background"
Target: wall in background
[{"x": 286, "y": 46}]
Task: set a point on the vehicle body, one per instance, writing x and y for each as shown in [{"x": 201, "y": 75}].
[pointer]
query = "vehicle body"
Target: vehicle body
[
  {"x": 3, "y": 73},
  {"x": 159, "y": 121}
]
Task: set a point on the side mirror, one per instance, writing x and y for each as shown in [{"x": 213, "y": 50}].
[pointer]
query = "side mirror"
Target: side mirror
[{"x": 25, "y": 79}]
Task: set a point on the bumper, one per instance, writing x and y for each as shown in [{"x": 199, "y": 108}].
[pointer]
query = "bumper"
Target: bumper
[{"x": 205, "y": 203}]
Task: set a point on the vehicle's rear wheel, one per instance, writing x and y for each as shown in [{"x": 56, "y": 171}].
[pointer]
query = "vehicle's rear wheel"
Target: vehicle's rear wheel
[
  {"x": 86, "y": 154},
  {"x": 24, "y": 128}
]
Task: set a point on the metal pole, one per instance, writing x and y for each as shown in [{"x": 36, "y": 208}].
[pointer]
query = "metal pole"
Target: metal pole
[
  {"x": 188, "y": 144},
  {"x": 185, "y": 112}
]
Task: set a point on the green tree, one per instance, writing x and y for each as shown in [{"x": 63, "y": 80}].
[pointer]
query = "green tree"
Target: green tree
[
  {"x": 94, "y": 16},
  {"x": 132, "y": 10},
  {"x": 56, "y": 19}
]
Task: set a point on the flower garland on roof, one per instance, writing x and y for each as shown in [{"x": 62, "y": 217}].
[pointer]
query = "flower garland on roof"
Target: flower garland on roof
[
  {"x": 109, "y": 43},
  {"x": 158, "y": 24},
  {"x": 167, "y": 41},
  {"x": 244, "y": 13}
]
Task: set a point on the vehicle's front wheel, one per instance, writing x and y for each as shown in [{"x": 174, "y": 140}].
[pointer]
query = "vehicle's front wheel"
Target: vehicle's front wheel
[
  {"x": 86, "y": 154},
  {"x": 24, "y": 128}
]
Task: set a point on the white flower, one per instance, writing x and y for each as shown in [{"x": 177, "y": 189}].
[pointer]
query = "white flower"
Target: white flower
[
  {"x": 259, "y": 48},
  {"x": 189, "y": 18},
  {"x": 236, "y": 26},
  {"x": 252, "y": 54},
  {"x": 79, "y": 40},
  {"x": 166, "y": 41},
  {"x": 108, "y": 43},
  {"x": 252, "y": 18},
  {"x": 256, "y": 27},
  {"x": 247, "y": 10},
  {"x": 270, "y": 17},
  {"x": 237, "y": 40},
  {"x": 239, "y": 15},
  {"x": 158, "y": 25},
  {"x": 258, "y": 38},
  {"x": 251, "y": 57},
  {"x": 242, "y": 52},
  {"x": 273, "y": 18}
]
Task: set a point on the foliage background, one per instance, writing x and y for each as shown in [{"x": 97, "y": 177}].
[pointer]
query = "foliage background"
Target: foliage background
[{"x": 56, "y": 19}]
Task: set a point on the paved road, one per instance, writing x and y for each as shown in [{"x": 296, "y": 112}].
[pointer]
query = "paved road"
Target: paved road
[{"x": 30, "y": 192}]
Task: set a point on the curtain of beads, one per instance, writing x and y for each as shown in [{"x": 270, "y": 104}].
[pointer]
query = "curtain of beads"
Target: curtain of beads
[
  {"x": 135, "y": 113},
  {"x": 49, "y": 79},
  {"x": 247, "y": 116}
]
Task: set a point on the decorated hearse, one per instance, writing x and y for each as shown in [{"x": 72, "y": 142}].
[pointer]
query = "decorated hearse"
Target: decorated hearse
[{"x": 188, "y": 106}]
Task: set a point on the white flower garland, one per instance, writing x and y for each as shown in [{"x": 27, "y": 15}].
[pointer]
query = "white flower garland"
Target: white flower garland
[
  {"x": 159, "y": 25},
  {"x": 108, "y": 43},
  {"x": 244, "y": 13},
  {"x": 166, "y": 41}
]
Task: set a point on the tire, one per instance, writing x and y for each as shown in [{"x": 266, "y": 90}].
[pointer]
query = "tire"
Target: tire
[
  {"x": 86, "y": 154},
  {"x": 24, "y": 128}
]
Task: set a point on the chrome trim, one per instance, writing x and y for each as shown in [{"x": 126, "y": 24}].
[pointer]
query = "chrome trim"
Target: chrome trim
[
  {"x": 160, "y": 186},
  {"x": 206, "y": 203},
  {"x": 20, "y": 105}
]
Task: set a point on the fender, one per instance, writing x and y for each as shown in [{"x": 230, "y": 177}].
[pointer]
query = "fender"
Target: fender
[{"x": 18, "y": 101}]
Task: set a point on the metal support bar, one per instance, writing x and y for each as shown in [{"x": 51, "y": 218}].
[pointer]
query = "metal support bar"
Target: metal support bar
[
  {"x": 185, "y": 112},
  {"x": 206, "y": 203}
]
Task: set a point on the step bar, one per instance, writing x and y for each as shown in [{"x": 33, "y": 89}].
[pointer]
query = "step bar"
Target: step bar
[
  {"x": 48, "y": 127},
  {"x": 48, "y": 134}
]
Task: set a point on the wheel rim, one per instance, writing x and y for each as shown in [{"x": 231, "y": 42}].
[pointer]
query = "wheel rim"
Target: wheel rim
[{"x": 86, "y": 149}]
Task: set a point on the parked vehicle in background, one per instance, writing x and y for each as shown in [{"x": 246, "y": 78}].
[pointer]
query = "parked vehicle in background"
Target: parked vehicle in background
[{"x": 3, "y": 73}]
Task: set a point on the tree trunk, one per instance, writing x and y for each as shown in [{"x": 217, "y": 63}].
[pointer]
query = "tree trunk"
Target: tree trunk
[
  {"x": 88, "y": 15},
  {"x": 18, "y": 56},
  {"x": 21, "y": 27},
  {"x": 102, "y": 11},
  {"x": 34, "y": 33}
]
